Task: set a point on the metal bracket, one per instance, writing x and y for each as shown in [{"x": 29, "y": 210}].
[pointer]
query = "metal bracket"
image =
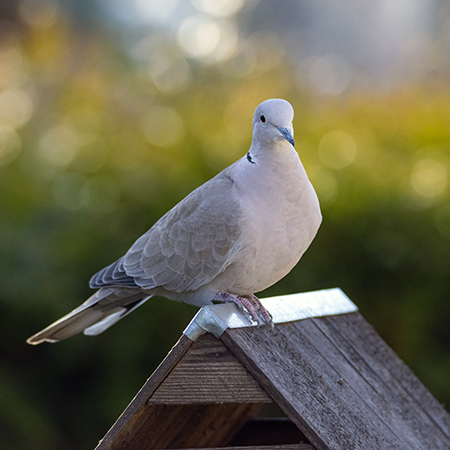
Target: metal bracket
[{"x": 215, "y": 319}]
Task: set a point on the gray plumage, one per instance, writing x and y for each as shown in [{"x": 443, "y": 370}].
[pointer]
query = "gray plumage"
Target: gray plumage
[{"x": 235, "y": 235}]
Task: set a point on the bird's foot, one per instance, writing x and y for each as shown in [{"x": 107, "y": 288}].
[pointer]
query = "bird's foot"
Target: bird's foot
[
  {"x": 249, "y": 303},
  {"x": 266, "y": 316}
]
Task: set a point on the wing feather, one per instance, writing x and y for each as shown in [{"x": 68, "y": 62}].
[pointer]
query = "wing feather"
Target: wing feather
[
  {"x": 192, "y": 243},
  {"x": 112, "y": 275}
]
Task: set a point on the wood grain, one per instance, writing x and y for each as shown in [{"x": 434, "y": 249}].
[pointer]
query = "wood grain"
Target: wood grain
[
  {"x": 136, "y": 411},
  {"x": 184, "y": 426},
  {"x": 365, "y": 340},
  {"x": 328, "y": 393},
  {"x": 209, "y": 373},
  {"x": 385, "y": 383},
  {"x": 164, "y": 423},
  {"x": 338, "y": 382}
]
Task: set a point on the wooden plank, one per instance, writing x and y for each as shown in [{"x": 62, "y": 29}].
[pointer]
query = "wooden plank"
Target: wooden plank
[
  {"x": 307, "y": 388},
  {"x": 366, "y": 340},
  {"x": 148, "y": 424},
  {"x": 185, "y": 426},
  {"x": 299, "y": 371},
  {"x": 376, "y": 387},
  {"x": 129, "y": 422},
  {"x": 209, "y": 373}
]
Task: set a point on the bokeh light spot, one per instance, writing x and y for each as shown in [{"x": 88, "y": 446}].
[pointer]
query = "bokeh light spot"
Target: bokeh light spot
[
  {"x": 163, "y": 127},
  {"x": 326, "y": 186},
  {"x": 198, "y": 36},
  {"x": 155, "y": 10},
  {"x": 219, "y": 8},
  {"x": 170, "y": 74},
  {"x": 337, "y": 149},
  {"x": 59, "y": 145},
  {"x": 429, "y": 178},
  {"x": 93, "y": 155},
  {"x": 13, "y": 67},
  {"x": 227, "y": 45},
  {"x": 16, "y": 107},
  {"x": 330, "y": 74},
  {"x": 41, "y": 14},
  {"x": 73, "y": 191},
  {"x": 201, "y": 37},
  {"x": 9, "y": 145}
]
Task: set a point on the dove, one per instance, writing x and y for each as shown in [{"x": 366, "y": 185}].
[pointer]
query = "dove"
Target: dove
[{"x": 234, "y": 236}]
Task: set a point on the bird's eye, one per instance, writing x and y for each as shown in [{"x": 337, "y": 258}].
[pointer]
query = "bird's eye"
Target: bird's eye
[{"x": 263, "y": 118}]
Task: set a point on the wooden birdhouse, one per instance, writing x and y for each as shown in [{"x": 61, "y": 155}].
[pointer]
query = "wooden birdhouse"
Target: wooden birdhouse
[{"x": 336, "y": 382}]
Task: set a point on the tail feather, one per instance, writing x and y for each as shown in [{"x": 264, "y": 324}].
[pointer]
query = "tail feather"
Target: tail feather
[{"x": 103, "y": 309}]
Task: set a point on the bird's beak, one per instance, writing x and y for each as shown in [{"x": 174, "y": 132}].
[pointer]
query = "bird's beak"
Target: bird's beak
[{"x": 286, "y": 133}]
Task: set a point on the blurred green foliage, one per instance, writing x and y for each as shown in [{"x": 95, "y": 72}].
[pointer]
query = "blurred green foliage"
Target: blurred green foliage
[{"x": 93, "y": 150}]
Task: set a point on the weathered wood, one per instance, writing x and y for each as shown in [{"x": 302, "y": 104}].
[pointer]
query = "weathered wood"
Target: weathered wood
[
  {"x": 148, "y": 424},
  {"x": 327, "y": 393},
  {"x": 136, "y": 411},
  {"x": 384, "y": 382},
  {"x": 364, "y": 339},
  {"x": 185, "y": 426},
  {"x": 209, "y": 373},
  {"x": 340, "y": 385}
]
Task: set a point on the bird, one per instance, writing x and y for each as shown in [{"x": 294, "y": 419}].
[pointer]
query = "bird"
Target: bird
[{"x": 232, "y": 237}]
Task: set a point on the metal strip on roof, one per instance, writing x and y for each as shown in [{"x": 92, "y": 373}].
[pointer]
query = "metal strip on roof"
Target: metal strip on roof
[{"x": 216, "y": 319}]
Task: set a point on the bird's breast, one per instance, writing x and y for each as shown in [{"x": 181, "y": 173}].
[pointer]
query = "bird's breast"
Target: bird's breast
[{"x": 281, "y": 217}]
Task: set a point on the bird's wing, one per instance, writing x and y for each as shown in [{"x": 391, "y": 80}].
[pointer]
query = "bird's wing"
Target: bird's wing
[
  {"x": 112, "y": 275},
  {"x": 192, "y": 243}
]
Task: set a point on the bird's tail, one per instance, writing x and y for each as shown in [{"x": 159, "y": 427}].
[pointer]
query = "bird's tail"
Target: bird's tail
[{"x": 95, "y": 315}]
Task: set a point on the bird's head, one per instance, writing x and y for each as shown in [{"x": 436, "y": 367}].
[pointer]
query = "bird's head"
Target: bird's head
[{"x": 272, "y": 122}]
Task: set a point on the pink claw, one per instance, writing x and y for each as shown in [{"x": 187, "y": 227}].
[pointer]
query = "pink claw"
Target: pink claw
[
  {"x": 250, "y": 303},
  {"x": 267, "y": 317}
]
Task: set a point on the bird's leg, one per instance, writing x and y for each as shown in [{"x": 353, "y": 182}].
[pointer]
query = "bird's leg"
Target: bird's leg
[
  {"x": 266, "y": 316},
  {"x": 241, "y": 302},
  {"x": 250, "y": 303}
]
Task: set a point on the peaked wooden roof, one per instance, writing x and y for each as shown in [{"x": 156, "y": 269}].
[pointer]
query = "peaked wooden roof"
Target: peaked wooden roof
[{"x": 338, "y": 382}]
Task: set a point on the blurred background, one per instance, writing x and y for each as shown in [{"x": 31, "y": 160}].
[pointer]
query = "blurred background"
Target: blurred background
[{"x": 112, "y": 111}]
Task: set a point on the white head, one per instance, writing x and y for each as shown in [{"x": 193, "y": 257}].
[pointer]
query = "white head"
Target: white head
[{"x": 272, "y": 123}]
